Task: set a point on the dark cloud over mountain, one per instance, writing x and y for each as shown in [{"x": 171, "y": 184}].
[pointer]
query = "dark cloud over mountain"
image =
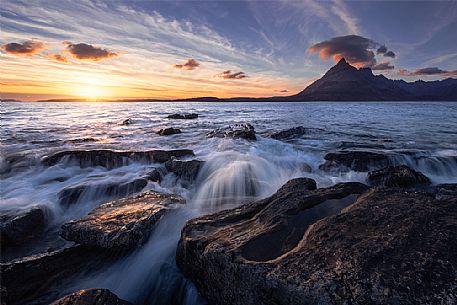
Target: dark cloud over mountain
[
  {"x": 428, "y": 71},
  {"x": 383, "y": 66},
  {"x": 28, "y": 47},
  {"x": 357, "y": 50},
  {"x": 190, "y": 64},
  {"x": 89, "y": 52}
]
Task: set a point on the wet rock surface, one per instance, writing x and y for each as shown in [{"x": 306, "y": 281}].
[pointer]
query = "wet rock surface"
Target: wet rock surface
[
  {"x": 392, "y": 246},
  {"x": 242, "y": 131},
  {"x": 19, "y": 228},
  {"x": 397, "y": 176},
  {"x": 127, "y": 121},
  {"x": 289, "y": 133},
  {"x": 70, "y": 195},
  {"x": 168, "y": 131},
  {"x": 121, "y": 224},
  {"x": 27, "y": 278},
  {"x": 112, "y": 159},
  {"x": 185, "y": 169},
  {"x": 91, "y": 297},
  {"x": 360, "y": 161},
  {"x": 183, "y": 116}
]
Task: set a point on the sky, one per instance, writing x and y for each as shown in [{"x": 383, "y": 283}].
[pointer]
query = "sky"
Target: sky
[{"x": 176, "y": 49}]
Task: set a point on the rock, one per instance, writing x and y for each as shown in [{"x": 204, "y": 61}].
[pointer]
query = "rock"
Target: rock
[
  {"x": 183, "y": 116},
  {"x": 127, "y": 122},
  {"x": 392, "y": 246},
  {"x": 91, "y": 297},
  {"x": 360, "y": 161},
  {"x": 18, "y": 229},
  {"x": 168, "y": 131},
  {"x": 289, "y": 133},
  {"x": 26, "y": 278},
  {"x": 397, "y": 176},
  {"x": 445, "y": 191},
  {"x": 82, "y": 140},
  {"x": 155, "y": 175},
  {"x": 187, "y": 170},
  {"x": 243, "y": 131},
  {"x": 70, "y": 195},
  {"x": 122, "y": 224},
  {"x": 112, "y": 159}
]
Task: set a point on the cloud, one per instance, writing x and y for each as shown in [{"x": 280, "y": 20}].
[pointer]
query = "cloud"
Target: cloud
[
  {"x": 427, "y": 71},
  {"x": 282, "y": 91},
  {"x": 357, "y": 50},
  {"x": 228, "y": 74},
  {"x": 383, "y": 66},
  {"x": 190, "y": 64},
  {"x": 58, "y": 57},
  {"x": 89, "y": 52},
  {"x": 28, "y": 47}
]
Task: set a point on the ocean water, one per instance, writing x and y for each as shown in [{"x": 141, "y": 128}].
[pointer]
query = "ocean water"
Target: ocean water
[{"x": 421, "y": 135}]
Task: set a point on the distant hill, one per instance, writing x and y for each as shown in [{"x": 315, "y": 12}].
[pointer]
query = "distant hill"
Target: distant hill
[{"x": 344, "y": 82}]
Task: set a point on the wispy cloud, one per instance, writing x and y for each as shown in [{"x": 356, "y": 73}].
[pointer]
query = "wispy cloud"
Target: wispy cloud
[
  {"x": 431, "y": 71},
  {"x": 228, "y": 74},
  {"x": 190, "y": 64}
]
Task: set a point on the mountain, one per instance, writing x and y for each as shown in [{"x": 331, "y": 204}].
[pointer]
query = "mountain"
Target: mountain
[{"x": 344, "y": 82}]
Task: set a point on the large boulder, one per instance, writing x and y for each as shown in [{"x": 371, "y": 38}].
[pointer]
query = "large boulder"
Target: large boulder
[
  {"x": 18, "y": 228},
  {"x": 289, "y": 133},
  {"x": 91, "y": 297},
  {"x": 360, "y": 161},
  {"x": 111, "y": 159},
  {"x": 26, "y": 278},
  {"x": 183, "y": 116},
  {"x": 70, "y": 195},
  {"x": 168, "y": 131},
  {"x": 122, "y": 224},
  {"x": 397, "y": 176},
  {"x": 392, "y": 246},
  {"x": 187, "y": 170},
  {"x": 243, "y": 131}
]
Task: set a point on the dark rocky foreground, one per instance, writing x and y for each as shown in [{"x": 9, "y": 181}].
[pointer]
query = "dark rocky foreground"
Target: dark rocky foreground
[
  {"x": 386, "y": 246},
  {"x": 91, "y": 297},
  {"x": 241, "y": 131}
]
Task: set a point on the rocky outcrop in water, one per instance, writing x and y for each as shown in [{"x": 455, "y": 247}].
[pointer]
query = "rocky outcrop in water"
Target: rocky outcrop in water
[
  {"x": 360, "y": 161},
  {"x": 392, "y": 246},
  {"x": 289, "y": 133},
  {"x": 397, "y": 176},
  {"x": 187, "y": 170},
  {"x": 127, "y": 121},
  {"x": 111, "y": 159},
  {"x": 17, "y": 229},
  {"x": 70, "y": 195},
  {"x": 91, "y": 297},
  {"x": 121, "y": 224},
  {"x": 27, "y": 278},
  {"x": 242, "y": 131},
  {"x": 168, "y": 131},
  {"x": 183, "y": 116}
]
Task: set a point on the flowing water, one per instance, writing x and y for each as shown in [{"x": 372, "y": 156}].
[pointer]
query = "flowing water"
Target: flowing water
[{"x": 421, "y": 135}]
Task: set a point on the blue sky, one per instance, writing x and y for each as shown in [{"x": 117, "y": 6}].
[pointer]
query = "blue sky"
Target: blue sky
[{"x": 268, "y": 41}]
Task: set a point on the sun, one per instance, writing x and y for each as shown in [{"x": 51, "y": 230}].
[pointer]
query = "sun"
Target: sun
[{"x": 91, "y": 92}]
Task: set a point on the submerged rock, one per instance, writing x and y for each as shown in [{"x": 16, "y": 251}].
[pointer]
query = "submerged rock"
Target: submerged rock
[
  {"x": 127, "y": 122},
  {"x": 185, "y": 169},
  {"x": 155, "y": 174},
  {"x": 399, "y": 176},
  {"x": 91, "y": 297},
  {"x": 168, "y": 131},
  {"x": 243, "y": 131},
  {"x": 72, "y": 194},
  {"x": 360, "y": 161},
  {"x": 183, "y": 116},
  {"x": 121, "y": 224},
  {"x": 392, "y": 246},
  {"x": 17, "y": 229},
  {"x": 111, "y": 159},
  {"x": 289, "y": 133},
  {"x": 25, "y": 279}
]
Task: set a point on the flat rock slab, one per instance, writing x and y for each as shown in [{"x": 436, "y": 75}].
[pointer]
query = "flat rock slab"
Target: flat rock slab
[
  {"x": 183, "y": 116},
  {"x": 112, "y": 159},
  {"x": 242, "y": 131},
  {"x": 91, "y": 297},
  {"x": 185, "y": 169},
  {"x": 360, "y": 161},
  {"x": 397, "y": 176},
  {"x": 289, "y": 133},
  {"x": 168, "y": 131},
  {"x": 121, "y": 224},
  {"x": 392, "y": 246}
]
